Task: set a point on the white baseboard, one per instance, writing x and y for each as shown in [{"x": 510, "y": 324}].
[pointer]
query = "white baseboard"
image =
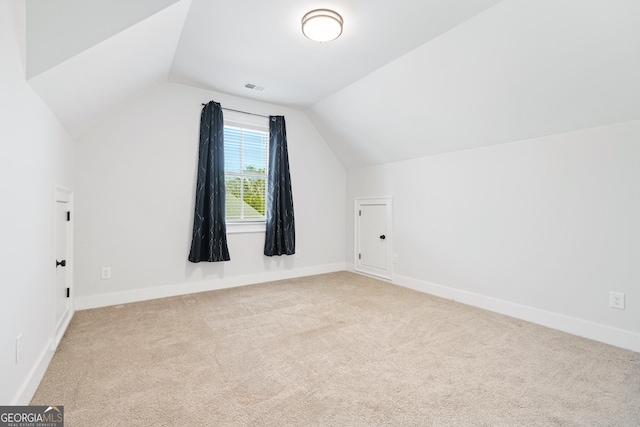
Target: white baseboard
[
  {"x": 115, "y": 298},
  {"x": 65, "y": 324},
  {"x": 31, "y": 382},
  {"x": 595, "y": 331}
]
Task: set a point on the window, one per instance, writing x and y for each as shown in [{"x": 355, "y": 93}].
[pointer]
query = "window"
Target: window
[{"x": 246, "y": 156}]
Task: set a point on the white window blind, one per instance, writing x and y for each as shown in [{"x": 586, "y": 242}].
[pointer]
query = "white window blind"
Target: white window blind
[{"x": 246, "y": 146}]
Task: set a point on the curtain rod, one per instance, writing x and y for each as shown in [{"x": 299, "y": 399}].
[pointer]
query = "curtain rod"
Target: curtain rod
[{"x": 243, "y": 112}]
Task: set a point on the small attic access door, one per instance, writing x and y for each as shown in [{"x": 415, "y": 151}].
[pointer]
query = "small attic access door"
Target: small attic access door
[
  {"x": 373, "y": 236},
  {"x": 63, "y": 250}
]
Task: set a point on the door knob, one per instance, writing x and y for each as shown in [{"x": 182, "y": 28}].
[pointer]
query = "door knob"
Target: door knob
[
  {"x": 61, "y": 263},
  {"x": 383, "y": 237}
]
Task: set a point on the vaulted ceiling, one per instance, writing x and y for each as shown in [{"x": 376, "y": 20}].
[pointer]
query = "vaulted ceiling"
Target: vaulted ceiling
[{"x": 406, "y": 79}]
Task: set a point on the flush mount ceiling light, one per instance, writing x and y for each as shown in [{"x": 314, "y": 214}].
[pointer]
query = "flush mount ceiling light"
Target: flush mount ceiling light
[{"x": 322, "y": 25}]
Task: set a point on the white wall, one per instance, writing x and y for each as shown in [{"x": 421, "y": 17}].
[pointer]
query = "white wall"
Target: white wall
[
  {"x": 540, "y": 229},
  {"x": 36, "y": 154},
  {"x": 135, "y": 196}
]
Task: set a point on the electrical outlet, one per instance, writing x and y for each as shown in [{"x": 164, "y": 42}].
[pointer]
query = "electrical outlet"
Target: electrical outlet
[
  {"x": 616, "y": 300},
  {"x": 106, "y": 273},
  {"x": 18, "y": 348},
  {"x": 298, "y": 254},
  {"x": 395, "y": 258}
]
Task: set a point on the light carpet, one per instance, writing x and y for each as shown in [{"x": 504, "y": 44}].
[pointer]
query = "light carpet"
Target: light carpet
[{"x": 337, "y": 349}]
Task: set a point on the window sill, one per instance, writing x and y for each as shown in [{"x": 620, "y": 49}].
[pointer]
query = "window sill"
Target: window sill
[{"x": 245, "y": 227}]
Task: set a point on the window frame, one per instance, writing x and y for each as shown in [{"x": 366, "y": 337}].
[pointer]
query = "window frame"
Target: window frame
[{"x": 254, "y": 123}]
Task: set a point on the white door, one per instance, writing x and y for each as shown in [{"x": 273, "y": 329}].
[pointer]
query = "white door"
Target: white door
[
  {"x": 61, "y": 299},
  {"x": 373, "y": 237}
]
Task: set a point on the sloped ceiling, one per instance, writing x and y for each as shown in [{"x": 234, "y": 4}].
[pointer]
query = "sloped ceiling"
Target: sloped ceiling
[
  {"x": 96, "y": 81},
  {"x": 60, "y": 29},
  {"x": 225, "y": 45},
  {"x": 520, "y": 70},
  {"x": 406, "y": 79}
]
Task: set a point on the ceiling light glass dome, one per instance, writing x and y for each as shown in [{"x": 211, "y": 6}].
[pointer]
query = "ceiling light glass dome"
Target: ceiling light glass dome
[{"x": 322, "y": 25}]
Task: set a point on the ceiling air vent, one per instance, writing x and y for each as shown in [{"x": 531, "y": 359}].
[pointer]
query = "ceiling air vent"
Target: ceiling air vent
[{"x": 254, "y": 87}]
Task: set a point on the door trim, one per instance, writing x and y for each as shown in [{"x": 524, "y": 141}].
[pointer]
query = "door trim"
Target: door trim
[
  {"x": 388, "y": 202},
  {"x": 61, "y": 194}
]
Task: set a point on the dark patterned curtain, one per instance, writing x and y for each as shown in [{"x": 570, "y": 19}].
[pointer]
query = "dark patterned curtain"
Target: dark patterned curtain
[
  {"x": 280, "y": 238},
  {"x": 209, "y": 242}
]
